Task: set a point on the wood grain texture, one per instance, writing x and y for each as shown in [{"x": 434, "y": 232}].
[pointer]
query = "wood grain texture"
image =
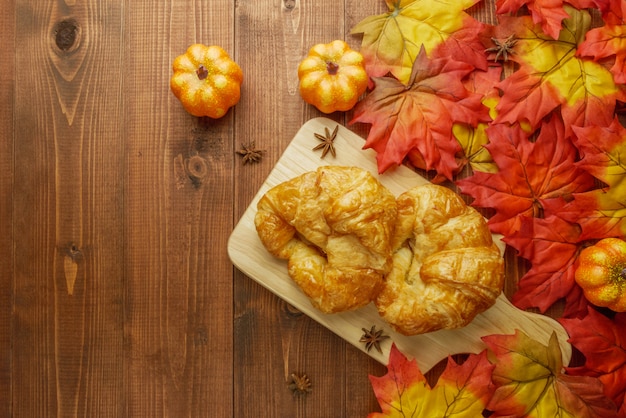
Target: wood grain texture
[
  {"x": 178, "y": 211},
  {"x": 117, "y": 295},
  {"x": 68, "y": 307},
  {"x": 7, "y": 138},
  {"x": 271, "y": 343}
]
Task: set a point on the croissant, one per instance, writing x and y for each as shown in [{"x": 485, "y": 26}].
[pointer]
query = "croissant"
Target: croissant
[
  {"x": 446, "y": 267},
  {"x": 334, "y": 225}
]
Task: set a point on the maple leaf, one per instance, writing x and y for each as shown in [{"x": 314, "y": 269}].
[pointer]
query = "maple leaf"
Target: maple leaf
[
  {"x": 551, "y": 77},
  {"x": 603, "y": 152},
  {"x": 393, "y": 40},
  {"x": 603, "y": 343},
  {"x": 534, "y": 179},
  {"x": 418, "y": 118},
  {"x": 548, "y": 13},
  {"x": 473, "y": 139},
  {"x": 596, "y": 223},
  {"x": 601, "y": 212},
  {"x": 462, "y": 390},
  {"x": 613, "y": 12},
  {"x": 609, "y": 41},
  {"x": 552, "y": 246},
  {"x": 530, "y": 382}
]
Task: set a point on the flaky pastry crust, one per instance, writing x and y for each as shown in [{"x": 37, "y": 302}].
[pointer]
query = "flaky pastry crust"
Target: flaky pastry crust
[
  {"x": 334, "y": 225},
  {"x": 446, "y": 268}
]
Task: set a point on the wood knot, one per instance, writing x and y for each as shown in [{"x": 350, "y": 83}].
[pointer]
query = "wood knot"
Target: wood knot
[
  {"x": 67, "y": 35},
  {"x": 291, "y": 311},
  {"x": 289, "y": 4},
  {"x": 197, "y": 168},
  {"x": 71, "y": 260},
  {"x": 74, "y": 252}
]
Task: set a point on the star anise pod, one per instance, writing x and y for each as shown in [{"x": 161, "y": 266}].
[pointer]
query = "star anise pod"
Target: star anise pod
[
  {"x": 300, "y": 384},
  {"x": 373, "y": 338},
  {"x": 503, "y": 48},
  {"x": 327, "y": 142},
  {"x": 250, "y": 154}
]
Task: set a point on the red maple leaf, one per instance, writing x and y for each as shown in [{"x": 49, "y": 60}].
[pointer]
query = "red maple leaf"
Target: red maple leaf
[
  {"x": 418, "y": 117},
  {"x": 603, "y": 343},
  {"x": 604, "y": 42},
  {"x": 551, "y": 245},
  {"x": 548, "y": 13},
  {"x": 465, "y": 45},
  {"x": 613, "y": 12},
  {"x": 608, "y": 41},
  {"x": 534, "y": 178}
]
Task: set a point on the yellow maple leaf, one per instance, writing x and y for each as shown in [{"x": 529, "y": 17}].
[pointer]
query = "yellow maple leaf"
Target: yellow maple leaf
[
  {"x": 552, "y": 77},
  {"x": 392, "y": 40}
]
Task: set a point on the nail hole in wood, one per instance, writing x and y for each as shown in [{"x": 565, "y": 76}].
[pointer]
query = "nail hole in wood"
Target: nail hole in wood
[{"x": 66, "y": 35}]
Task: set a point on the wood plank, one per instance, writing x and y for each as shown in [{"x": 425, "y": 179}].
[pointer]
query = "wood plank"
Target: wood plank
[
  {"x": 179, "y": 277},
  {"x": 272, "y": 341},
  {"x": 7, "y": 138},
  {"x": 68, "y": 321}
]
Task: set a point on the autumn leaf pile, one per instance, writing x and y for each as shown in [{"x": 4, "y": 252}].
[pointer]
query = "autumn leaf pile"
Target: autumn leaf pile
[
  {"x": 525, "y": 117},
  {"x": 514, "y": 377}
]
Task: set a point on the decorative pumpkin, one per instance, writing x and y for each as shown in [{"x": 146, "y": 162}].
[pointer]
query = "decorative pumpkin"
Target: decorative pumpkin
[
  {"x": 601, "y": 273},
  {"x": 206, "y": 81},
  {"x": 332, "y": 77}
]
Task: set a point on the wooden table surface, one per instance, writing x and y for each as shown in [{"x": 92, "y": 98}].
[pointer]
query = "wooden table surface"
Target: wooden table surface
[{"x": 117, "y": 295}]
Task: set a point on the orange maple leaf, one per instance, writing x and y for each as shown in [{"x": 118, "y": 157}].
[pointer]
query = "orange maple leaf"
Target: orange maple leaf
[
  {"x": 552, "y": 78},
  {"x": 462, "y": 390},
  {"x": 417, "y": 119}
]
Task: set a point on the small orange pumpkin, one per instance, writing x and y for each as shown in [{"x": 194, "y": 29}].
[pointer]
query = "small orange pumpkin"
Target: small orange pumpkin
[
  {"x": 332, "y": 77},
  {"x": 206, "y": 81},
  {"x": 601, "y": 273}
]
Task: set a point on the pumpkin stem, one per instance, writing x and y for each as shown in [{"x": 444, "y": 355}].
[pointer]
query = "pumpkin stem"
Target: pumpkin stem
[
  {"x": 202, "y": 72},
  {"x": 622, "y": 274},
  {"x": 332, "y": 68}
]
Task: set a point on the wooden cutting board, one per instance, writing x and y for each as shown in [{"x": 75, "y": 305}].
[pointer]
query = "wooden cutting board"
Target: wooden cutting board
[{"x": 249, "y": 256}]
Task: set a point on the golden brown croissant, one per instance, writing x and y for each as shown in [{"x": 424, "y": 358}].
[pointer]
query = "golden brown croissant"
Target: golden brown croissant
[
  {"x": 446, "y": 268},
  {"x": 334, "y": 225}
]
